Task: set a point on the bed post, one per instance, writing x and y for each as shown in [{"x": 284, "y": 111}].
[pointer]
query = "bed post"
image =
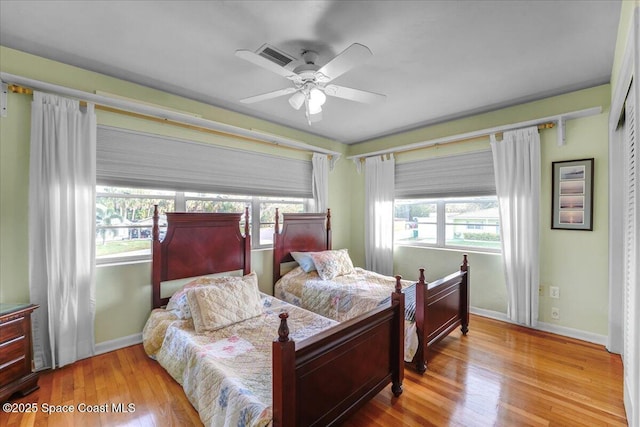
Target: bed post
[
  {"x": 156, "y": 256},
  {"x": 328, "y": 229},
  {"x": 284, "y": 378},
  {"x": 421, "y": 354},
  {"x": 277, "y": 253},
  {"x": 398, "y": 357},
  {"x": 464, "y": 297},
  {"x": 247, "y": 243}
]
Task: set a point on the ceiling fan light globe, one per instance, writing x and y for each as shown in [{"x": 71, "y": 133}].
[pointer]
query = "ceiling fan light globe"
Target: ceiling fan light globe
[
  {"x": 317, "y": 97},
  {"x": 314, "y": 118},
  {"x": 296, "y": 100},
  {"x": 314, "y": 108}
]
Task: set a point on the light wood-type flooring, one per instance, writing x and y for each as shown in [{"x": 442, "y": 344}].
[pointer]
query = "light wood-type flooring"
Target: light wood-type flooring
[{"x": 498, "y": 375}]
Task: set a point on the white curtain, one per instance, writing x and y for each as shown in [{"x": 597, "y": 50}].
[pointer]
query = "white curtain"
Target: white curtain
[
  {"x": 320, "y": 186},
  {"x": 516, "y": 161},
  {"x": 379, "y": 192},
  {"x": 62, "y": 229}
]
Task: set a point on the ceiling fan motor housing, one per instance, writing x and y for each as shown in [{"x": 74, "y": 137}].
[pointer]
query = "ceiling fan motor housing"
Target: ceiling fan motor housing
[{"x": 306, "y": 71}]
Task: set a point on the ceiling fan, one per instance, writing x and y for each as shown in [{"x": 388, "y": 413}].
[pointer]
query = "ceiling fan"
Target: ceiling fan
[{"x": 310, "y": 81}]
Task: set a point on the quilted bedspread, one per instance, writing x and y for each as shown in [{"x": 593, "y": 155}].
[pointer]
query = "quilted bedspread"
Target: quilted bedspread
[
  {"x": 226, "y": 374},
  {"x": 344, "y": 297}
]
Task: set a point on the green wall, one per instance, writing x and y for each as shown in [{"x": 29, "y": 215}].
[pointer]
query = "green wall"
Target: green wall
[
  {"x": 123, "y": 291},
  {"x": 574, "y": 261},
  {"x": 14, "y": 187}
]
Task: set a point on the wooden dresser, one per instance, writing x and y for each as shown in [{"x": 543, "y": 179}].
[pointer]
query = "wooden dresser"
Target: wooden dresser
[{"x": 16, "y": 363}]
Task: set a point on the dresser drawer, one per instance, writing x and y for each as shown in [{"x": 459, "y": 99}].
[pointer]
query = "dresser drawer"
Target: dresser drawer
[
  {"x": 15, "y": 350},
  {"x": 12, "y": 350},
  {"x": 12, "y": 329},
  {"x": 14, "y": 370}
]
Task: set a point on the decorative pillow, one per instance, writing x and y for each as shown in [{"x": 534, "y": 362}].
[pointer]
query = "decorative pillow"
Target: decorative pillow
[
  {"x": 178, "y": 301},
  {"x": 304, "y": 260},
  {"x": 214, "y": 307},
  {"x": 332, "y": 264}
]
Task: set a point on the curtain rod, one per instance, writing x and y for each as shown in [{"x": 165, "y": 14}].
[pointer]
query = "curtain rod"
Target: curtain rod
[
  {"x": 26, "y": 86},
  {"x": 545, "y": 122}
]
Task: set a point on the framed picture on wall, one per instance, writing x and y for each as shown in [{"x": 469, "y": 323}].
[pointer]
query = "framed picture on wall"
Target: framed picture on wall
[{"x": 572, "y": 195}]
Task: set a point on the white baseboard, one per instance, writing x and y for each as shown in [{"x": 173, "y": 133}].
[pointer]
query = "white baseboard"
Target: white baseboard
[
  {"x": 547, "y": 327},
  {"x": 107, "y": 346},
  {"x": 118, "y": 343},
  {"x": 573, "y": 333},
  {"x": 489, "y": 313}
]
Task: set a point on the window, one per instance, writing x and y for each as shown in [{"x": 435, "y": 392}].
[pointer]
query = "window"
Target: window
[
  {"x": 268, "y": 214},
  {"x": 124, "y": 217},
  {"x": 470, "y": 222},
  {"x": 265, "y": 206},
  {"x": 187, "y": 170},
  {"x": 416, "y": 221}
]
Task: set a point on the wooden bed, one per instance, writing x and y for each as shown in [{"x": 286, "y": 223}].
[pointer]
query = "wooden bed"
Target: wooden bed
[
  {"x": 320, "y": 380},
  {"x": 440, "y": 306}
]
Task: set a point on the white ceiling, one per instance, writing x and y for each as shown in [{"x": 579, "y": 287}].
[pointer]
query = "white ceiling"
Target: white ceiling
[{"x": 434, "y": 60}]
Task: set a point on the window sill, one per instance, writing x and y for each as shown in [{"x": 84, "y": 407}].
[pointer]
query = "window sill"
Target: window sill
[
  {"x": 121, "y": 261},
  {"x": 451, "y": 248}
]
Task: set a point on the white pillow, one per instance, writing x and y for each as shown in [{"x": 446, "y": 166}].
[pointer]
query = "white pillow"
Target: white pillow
[
  {"x": 214, "y": 307},
  {"x": 332, "y": 264},
  {"x": 178, "y": 301}
]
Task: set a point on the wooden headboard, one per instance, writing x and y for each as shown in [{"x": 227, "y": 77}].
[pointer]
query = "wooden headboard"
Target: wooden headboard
[
  {"x": 197, "y": 244},
  {"x": 301, "y": 232}
]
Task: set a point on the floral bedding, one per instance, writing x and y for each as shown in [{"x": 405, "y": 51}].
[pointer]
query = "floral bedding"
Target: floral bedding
[
  {"x": 343, "y": 297},
  {"x": 226, "y": 373}
]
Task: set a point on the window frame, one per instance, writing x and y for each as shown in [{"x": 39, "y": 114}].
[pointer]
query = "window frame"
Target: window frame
[
  {"x": 441, "y": 224},
  {"x": 180, "y": 199}
]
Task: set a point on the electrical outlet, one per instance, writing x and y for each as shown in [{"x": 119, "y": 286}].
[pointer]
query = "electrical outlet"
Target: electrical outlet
[
  {"x": 555, "y": 313},
  {"x": 554, "y": 292}
]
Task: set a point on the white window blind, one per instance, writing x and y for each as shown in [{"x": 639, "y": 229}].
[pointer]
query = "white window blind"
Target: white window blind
[
  {"x": 460, "y": 175},
  {"x": 125, "y": 158}
]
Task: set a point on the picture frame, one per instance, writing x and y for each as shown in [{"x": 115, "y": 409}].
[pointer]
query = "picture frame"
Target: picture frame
[{"x": 572, "y": 195}]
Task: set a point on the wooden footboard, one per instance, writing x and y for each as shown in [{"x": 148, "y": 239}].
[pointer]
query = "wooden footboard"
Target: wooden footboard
[
  {"x": 445, "y": 305},
  {"x": 322, "y": 380}
]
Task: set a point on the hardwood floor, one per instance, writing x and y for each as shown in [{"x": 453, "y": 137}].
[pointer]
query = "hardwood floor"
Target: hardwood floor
[{"x": 499, "y": 374}]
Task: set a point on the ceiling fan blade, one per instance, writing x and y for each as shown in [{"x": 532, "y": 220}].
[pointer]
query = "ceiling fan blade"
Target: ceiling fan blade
[
  {"x": 265, "y": 63},
  {"x": 346, "y": 60},
  {"x": 268, "y": 95},
  {"x": 354, "y": 94}
]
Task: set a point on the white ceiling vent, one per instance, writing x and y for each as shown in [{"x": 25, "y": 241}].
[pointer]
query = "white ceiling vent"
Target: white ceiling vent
[{"x": 275, "y": 55}]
